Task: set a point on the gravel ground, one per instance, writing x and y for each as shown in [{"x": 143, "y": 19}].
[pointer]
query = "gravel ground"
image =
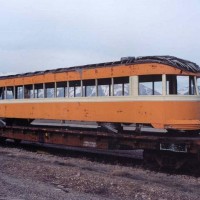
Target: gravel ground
[{"x": 29, "y": 175}]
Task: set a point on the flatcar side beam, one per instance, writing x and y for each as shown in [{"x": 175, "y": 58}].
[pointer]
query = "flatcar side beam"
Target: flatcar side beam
[{"x": 102, "y": 140}]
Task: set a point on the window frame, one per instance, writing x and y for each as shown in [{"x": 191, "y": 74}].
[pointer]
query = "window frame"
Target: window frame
[
  {"x": 151, "y": 79},
  {"x": 175, "y": 84}
]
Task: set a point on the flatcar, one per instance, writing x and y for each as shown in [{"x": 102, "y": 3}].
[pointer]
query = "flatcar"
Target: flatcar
[{"x": 159, "y": 91}]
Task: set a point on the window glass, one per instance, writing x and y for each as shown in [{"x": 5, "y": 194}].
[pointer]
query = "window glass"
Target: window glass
[
  {"x": 146, "y": 88},
  {"x": 61, "y": 89},
  {"x": 49, "y": 90},
  {"x": 192, "y": 88},
  {"x": 89, "y": 88},
  {"x": 118, "y": 89},
  {"x": 19, "y": 92},
  {"x": 28, "y": 92},
  {"x": 71, "y": 92},
  {"x": 39, "y": 91},
  {"x": 121, "y": 86},
  {"x": 2, "y": 93},
  {"x": 183, "y": 85},
  {"x": 171, "y": 84},
  {"x": 180, "y": 85},
  {"x": 158, "y": 88},
  {"x": 74, "y": 88},
  {"x": 10, "y": 92},
  {"x": 104, "y": 87},
  {"x": 198, "y": 84},
  {"x": 150, "y": 85},
  {"x": 126, "y": 89}
]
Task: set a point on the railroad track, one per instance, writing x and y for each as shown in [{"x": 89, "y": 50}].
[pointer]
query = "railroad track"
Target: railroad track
[
  {"x": 133, "y": 158},
  {"x": 96, "y": 145}
]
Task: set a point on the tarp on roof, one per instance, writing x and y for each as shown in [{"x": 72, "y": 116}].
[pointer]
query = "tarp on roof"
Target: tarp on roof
[
  {"x": 181, "y": 64},
  {"x": 172, "y": 61}
]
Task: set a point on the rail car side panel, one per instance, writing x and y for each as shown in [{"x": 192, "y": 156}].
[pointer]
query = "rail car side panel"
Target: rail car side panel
[{"x": 161, "y": 114}]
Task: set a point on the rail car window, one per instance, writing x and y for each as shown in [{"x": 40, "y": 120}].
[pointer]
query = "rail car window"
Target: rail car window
[
  {"x": 61, "y": 89},
  {"x": 198, "y": 84},
  {"x": 150, "y": 85},
  {"x": 89, "y": 88},
  {"x": 49, "y": 90},
  {"x": 28, "y": 92},
  {"x": 39, "y": 91},
  {"x": 121, "y": 86},
  {"x": 2, "y": 93},
  {"x": 10, "y": 93},
  {"x": 104, "y": 87},
  {"x": 19, "y": 92},
  {"x": 180, "y": 85},
  {"x": 74, "y": 89},
  {"x": 192, "y": 88}
]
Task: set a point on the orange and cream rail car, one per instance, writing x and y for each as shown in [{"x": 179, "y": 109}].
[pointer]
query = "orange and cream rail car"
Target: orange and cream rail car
[{"x": 160, "y": 91}]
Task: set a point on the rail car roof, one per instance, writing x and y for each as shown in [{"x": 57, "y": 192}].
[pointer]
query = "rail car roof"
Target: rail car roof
[{"x": 181, "y": 64}]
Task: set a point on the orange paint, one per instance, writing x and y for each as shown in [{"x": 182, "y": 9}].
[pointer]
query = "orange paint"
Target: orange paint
[{"x": 161, "y": 114}]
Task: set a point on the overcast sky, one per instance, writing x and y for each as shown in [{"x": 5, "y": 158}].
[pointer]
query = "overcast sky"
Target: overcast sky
[{"x": 47, "y": 34}]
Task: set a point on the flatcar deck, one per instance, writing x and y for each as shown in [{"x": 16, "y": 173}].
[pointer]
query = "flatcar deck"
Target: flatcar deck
[{"x": 104, "y": 140}]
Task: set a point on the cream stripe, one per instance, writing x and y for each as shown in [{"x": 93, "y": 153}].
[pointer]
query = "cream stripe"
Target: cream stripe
[{"x": 105, "y": 99}]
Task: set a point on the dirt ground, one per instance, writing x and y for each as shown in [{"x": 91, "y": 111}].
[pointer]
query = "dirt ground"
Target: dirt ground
[{"x": 31, "y": 175}]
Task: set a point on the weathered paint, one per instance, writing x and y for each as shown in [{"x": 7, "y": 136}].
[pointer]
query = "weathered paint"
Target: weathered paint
[{"x": 161, "y": 114}]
